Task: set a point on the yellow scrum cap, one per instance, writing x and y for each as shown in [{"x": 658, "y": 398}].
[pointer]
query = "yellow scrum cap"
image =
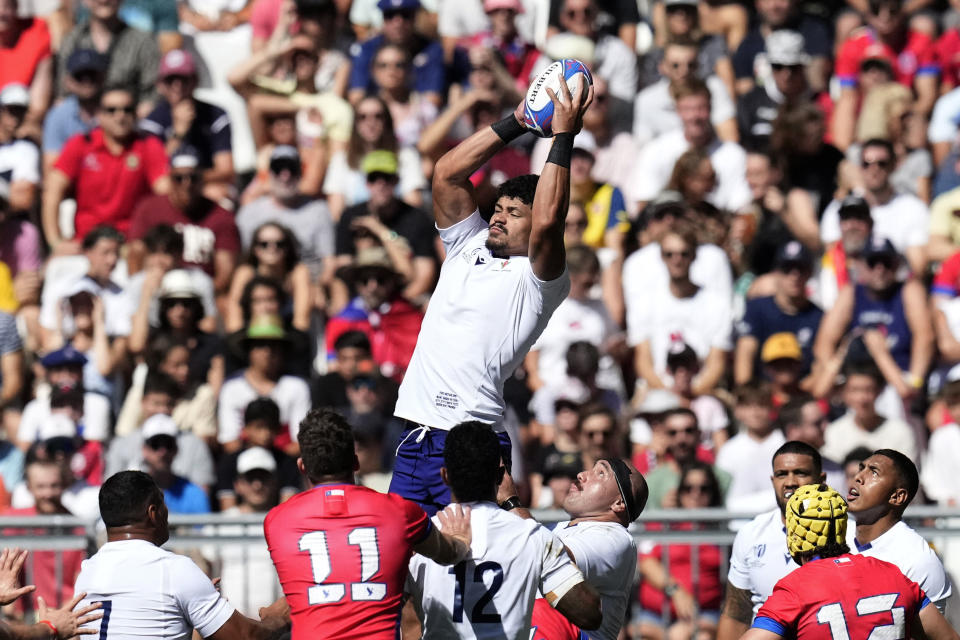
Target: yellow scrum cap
[{"x": 816, "y": 515}]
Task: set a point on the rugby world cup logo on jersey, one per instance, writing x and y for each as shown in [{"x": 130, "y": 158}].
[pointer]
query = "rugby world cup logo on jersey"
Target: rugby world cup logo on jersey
[{"x": 478, "y": 256}]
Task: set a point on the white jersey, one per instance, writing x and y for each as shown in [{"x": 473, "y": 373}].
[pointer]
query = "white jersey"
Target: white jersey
[
  {"x": 606, "y": 553},
  {"x": 907, "y": 549},
  {"x": 483, "y": 317},
  {"x": 148, "y": 592},
  {"x": 491, "y": 595},
  {"x": 760, "y": 557}
]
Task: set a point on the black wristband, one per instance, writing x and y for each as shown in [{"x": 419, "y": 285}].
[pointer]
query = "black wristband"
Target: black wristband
[
  {"x": 561, "y": 149},
  {"x": 511, "y": 503},
  {"x": 508, "y": 129}
]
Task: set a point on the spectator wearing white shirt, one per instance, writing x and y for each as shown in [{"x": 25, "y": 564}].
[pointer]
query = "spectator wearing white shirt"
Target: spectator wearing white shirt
[
  {"x": 757, "y": 441},
  {"x": 652, "y": 172},
  {"x": 682, "y": 312},
  {"x": 19, "y": 157},
  {"x": 901, "y": 218}
]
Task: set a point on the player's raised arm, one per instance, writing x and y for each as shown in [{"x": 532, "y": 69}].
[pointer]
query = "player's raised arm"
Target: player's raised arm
[
  {"x": 581, "y": 606},
  {"x": 453, "y": 197},
  {"x": 547, "y": 255}
]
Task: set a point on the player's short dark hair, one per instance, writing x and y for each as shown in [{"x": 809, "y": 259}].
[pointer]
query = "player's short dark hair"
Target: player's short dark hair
[
  {"x": 908, "y": 478},
  {"x": 125, "y": 497},
  {"x": 798, "y": 448},
  {"x": 160, "y": 382},
  {"x": 522, "y": 188},
  {"x": 98, "y": 233},
  {"x": 352, "y": 340},
  {"x": 163, "y": 238},
  {"x": 326, "y": 444},
  {"x": 263, "y": 409},
  {"x": 471, "y": 455},
  {"x": 581, "y": 258}
]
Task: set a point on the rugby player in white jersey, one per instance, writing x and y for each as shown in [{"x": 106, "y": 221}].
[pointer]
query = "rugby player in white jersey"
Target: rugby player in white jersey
[
  {"x": 602, "y": 502},
  {"x": 147, "y": 592},
  {"x": 760, "y": 556},
  {"x": 880, "y": 492},
  {"x": 491, "y": 594},
  {"x": 499, "y": 284}
]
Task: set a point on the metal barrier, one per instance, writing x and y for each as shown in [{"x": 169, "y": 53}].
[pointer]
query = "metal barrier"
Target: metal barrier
[{"x": 233, "y": 547}]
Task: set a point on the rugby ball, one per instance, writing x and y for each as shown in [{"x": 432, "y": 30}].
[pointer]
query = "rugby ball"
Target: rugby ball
[{"x": 537, "y": 107}]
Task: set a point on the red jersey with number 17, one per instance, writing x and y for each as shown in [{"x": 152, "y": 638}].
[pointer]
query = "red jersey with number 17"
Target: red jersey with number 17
[
  {"x": 341, "y": 552},
  {"x": 842, "y": 598}
]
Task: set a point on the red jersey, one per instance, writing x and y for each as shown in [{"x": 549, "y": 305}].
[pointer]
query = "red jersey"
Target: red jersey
[
  {"x": 706, "y": 584},
  {"x": 341, "y": 552},
  {"x": 842, "y": 598},
  {"x": 549, "y": 624},
  {"x": 916, "y": 58},
  {"x": 108, "y": 186},
  {"x": 948, "y": 57}
]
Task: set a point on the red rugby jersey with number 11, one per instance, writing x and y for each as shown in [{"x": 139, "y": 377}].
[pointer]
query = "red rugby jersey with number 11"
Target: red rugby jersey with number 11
[{"x": 341, "y": 552}]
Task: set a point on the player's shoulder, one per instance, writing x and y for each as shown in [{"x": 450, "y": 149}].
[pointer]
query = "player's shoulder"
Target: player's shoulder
[
  {"x": 760, "y": 524},
  {"x": 612, "y": 535}
]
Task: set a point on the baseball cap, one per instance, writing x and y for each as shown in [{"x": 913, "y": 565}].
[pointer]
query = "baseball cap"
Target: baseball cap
[
  {"x": 380, "y": 161},
  {"x": 794, "y": 253},
  {"x": 87, "y": 60},
  {"x": 493, "y": 5},
  {"x": 854, "y": 206},
  {"x": 658, "y": 401},
  {"x": 816, "y": 515},
  {"x": 177, "y": 63},
  {"x": 63, "y": 357},
  {"x": 564, "y": 464},
  {"x": 255, "y": 458},
  {"x": 177, "y": 283},
  {"x": 159, "y": 425},
  {"x": 266, "y": 327},
  {"x": 185, "y": 157},
  {"x": 398, "y": 5},
  {"x": 14, "y": 95},
  {"x": 679, "y": 354},
  {"x": 880, "y": 248},
  {"x": 584, "y": 141},
  {"x": 284, "y": 156},
  {"x": 786, "y": 47},
  {"x": 781, "y": 346},
  {"x": 57, "y": 425}
]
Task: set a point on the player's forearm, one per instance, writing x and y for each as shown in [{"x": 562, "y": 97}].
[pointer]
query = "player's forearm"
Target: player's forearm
[
  {"x": 737, "y": 614},
  {"x": 16, "y": 631},
  {"x": 458, "y": 164}
]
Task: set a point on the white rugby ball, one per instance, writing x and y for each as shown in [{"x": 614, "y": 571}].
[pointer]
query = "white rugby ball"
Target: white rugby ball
[{"x": 537, "y": 107}]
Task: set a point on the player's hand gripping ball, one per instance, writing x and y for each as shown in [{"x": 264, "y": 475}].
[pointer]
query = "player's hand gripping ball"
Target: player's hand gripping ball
[{"x": 537, "y": 107}]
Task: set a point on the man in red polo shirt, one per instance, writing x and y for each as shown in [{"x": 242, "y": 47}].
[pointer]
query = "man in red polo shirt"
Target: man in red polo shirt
[{"x": 110, "y": 169}]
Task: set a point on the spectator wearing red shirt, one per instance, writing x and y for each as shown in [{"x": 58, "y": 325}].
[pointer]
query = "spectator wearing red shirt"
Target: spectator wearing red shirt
[
  {"x": 25, "y": 58},
  {"x": 45, "y": 482},
  {"x": 947, "y": 51},
  {"x": 211, "y": 240},
  {"x": 110, "y": 170},
  {"x": 886, "y": 37}
]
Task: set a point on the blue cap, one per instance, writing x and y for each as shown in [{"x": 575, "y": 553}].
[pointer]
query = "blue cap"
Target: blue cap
[
  {"x": 794, "y": 253},
  {"x": 398, "y": 5},
  {"x": 64, "y": 357},
  {"x": 880, "y": 248},
  {"x": 86, "y": 60}
]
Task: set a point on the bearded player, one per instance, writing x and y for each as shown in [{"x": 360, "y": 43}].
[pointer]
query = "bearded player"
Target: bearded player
[{"x": 498, "y": 287}]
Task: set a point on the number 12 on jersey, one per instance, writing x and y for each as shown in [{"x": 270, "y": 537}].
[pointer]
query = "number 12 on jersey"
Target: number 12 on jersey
[{"x": 365, "y": 538}]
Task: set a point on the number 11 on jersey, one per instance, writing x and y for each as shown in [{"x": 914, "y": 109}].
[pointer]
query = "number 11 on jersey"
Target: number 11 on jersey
[{"x": 365, "y": 538}]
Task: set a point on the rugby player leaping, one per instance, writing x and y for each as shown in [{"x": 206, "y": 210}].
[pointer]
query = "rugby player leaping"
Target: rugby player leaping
[{"x": 498, "y": 287}]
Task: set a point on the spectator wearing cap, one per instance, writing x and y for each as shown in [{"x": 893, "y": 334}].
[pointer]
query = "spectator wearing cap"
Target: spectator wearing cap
[
  {"x": 579, "y": 317},
  {"x": 892, "y": 316},
  {"x": 683, "y": 367},
  {"x": 429, "y": 75},
  {"x": 26, "y": 60},
  {"x": 191, "y": 457},
  {"x": 308, "y": 219},
  {"x": 77, "y": 112},
  {"x": 683, "y": 311},
  {"x": 264, "y": 343},
  {"x": 133, "y": 55},
  {"x": 158, "y": 451},
  {"x": 110, "y": 170},
  {"x": 788, "y": 310},
  {"x": 843, "y": 262},
  {"x": 180, "y": 119},
  {"x": 391, "y": 222},
  {"x": 754, "y": 59},
  {"x": 899, "y": 217},
  {"x": 782, "y": 365},
  {"x": 652, "y": 171},
  {"x": 19, "y": 157},
  {"x": 887, "y": 36},
  {"x": 64, "y": 368},
  {"x": 380, "y": 310},
  {"x": 261, "y": 425},
  {"x": 655, "y": 112},
  {"x": 211, "y": 240}
]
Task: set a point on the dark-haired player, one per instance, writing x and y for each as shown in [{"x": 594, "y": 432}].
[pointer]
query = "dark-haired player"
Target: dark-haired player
[
  {"x": 880, "y": 492},
  {"x": 341, "y": 550},
  {"x": 836, "y": 595},
  {"x": 498, "y": 287},
  {"x": 491, "y": 593},
  {"x": 148, "y": 592}
]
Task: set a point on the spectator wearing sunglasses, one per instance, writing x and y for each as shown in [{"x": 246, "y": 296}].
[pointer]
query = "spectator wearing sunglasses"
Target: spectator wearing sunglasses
[
  {"x": 901, "y": 218},
  {"x": 110, "y": 170},
  {"x": 893, "y": 317}
]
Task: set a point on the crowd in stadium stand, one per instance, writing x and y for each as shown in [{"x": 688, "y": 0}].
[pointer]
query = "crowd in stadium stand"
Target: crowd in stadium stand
[{"x": 216, "y": 214}]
